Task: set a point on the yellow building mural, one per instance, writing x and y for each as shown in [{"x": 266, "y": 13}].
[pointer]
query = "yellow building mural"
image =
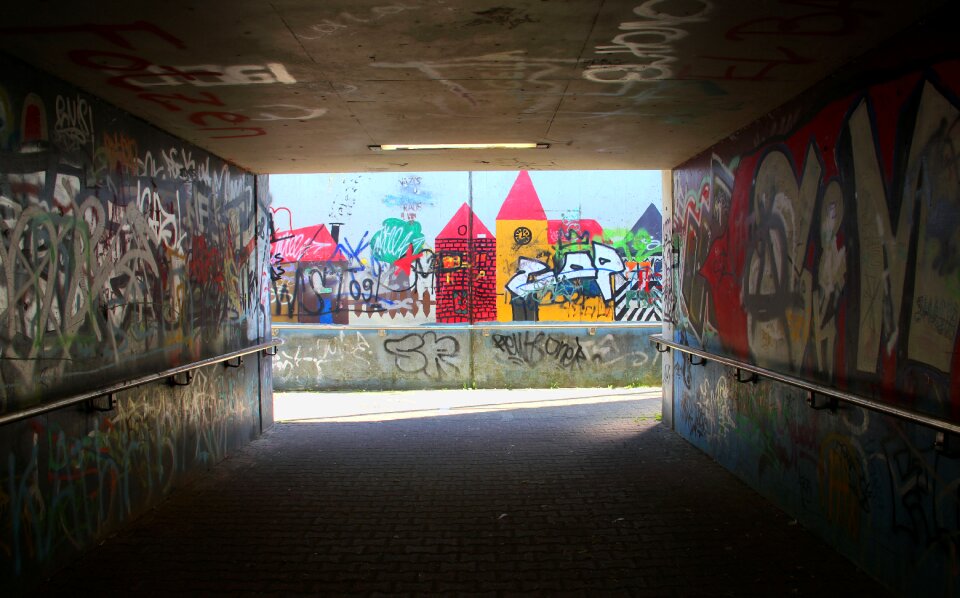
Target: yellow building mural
[
  {"x": 551, "y": 270},
  {"x": 523, "y": 248}
]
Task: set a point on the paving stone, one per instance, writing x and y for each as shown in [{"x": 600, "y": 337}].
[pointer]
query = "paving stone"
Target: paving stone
[{"x": 574, "y": 500}]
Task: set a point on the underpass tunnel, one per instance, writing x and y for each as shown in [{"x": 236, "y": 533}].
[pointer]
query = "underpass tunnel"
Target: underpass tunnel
[{"x": 807, "y": 302}]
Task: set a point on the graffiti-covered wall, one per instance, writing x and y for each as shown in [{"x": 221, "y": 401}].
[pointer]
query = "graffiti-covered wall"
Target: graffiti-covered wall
[
  {"x": 824, "y": 242},
  {"x": 319, "y": 359},
  {"x": 123, "y": 249},
  {"x": 382, "y": 249},
  {"x": 123, "y": 252}
]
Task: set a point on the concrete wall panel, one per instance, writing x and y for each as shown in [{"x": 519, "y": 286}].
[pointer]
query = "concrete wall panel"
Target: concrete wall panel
[
  {"x": 317, "y": 359},
  {"x": 566, "y": 357}
]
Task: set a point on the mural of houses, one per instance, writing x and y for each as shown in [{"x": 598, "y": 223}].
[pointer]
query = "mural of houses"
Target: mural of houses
[
  {"x": 552, "y": 270},
  {"x": 522, "y": 234},
  {"x": 306, "y": 269},
  {"x": 466, "y": 256},
  {"x": 578, "y": 260}
]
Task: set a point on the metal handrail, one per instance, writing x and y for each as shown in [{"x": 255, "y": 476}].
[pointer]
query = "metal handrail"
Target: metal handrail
[
  {"x": 134, "y": 382},
  {"x": 812, "y": 387},
  {"x": 457, "y": 327}
]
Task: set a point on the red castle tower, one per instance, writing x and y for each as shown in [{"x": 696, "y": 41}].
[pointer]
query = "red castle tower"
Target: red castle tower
[{"x": 466, "y": 270}]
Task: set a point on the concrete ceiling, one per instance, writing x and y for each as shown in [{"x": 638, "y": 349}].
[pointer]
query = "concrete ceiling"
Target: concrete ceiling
[{"x": 306, "y": 86}]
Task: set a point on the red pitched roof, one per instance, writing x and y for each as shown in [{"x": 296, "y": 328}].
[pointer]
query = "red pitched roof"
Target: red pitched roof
[
  {"x": 461, "y": 222},
  {"x": 522, "y": 203},
  {"x": 309, "y": 244}
]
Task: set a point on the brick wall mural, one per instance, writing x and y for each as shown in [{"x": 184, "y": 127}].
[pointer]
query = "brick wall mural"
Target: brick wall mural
[
  {"x": 466, "y": 248},
  {"x": 466, "y": 256}
]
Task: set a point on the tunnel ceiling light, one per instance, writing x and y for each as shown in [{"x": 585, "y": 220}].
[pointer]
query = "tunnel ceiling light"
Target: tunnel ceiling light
[{"x": 389, "y": 147}]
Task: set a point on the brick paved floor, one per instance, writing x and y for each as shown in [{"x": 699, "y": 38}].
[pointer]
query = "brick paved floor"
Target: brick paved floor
[{"x": 580, "y": 500}]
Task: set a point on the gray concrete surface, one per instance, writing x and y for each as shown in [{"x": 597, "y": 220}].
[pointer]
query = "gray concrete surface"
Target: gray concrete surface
[{"x": 458, "y": 357}]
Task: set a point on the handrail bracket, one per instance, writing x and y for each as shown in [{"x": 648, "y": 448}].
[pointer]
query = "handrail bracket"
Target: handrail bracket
[
  {"x": 234, "y": 363},
  {"x": 753, "y": 378},
  {"x": 947, "y": 444},
  {"x": 102, "y": 404},
  {"x": 187, "y": 379},
  {"x": 691, "y": 356},
  {"x": 662, "y": 348},
  {"x": 830, "y": 403}
]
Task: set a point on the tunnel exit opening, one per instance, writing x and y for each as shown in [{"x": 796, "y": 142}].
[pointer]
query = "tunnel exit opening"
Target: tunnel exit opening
[{"x": 462, "y": 280}]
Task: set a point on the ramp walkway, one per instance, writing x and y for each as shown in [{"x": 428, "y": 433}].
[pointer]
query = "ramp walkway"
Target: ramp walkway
[{"x": 548, "y": 494}]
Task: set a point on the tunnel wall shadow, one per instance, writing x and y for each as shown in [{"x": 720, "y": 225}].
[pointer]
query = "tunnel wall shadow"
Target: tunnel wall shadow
[
  {"x": 125, "y": 252},
  {"x": 822, "y": 242}
]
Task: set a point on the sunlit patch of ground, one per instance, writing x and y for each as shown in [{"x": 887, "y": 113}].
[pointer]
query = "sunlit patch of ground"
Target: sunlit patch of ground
[{"x": 386, "y": 406}]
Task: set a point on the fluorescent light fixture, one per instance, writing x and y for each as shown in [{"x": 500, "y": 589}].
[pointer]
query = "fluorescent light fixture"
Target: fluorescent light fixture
[{"x": 389, "y": 147}]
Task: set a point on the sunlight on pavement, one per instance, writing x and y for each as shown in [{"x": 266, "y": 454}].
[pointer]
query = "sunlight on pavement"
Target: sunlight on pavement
[{"x": 393, "y": 405}]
